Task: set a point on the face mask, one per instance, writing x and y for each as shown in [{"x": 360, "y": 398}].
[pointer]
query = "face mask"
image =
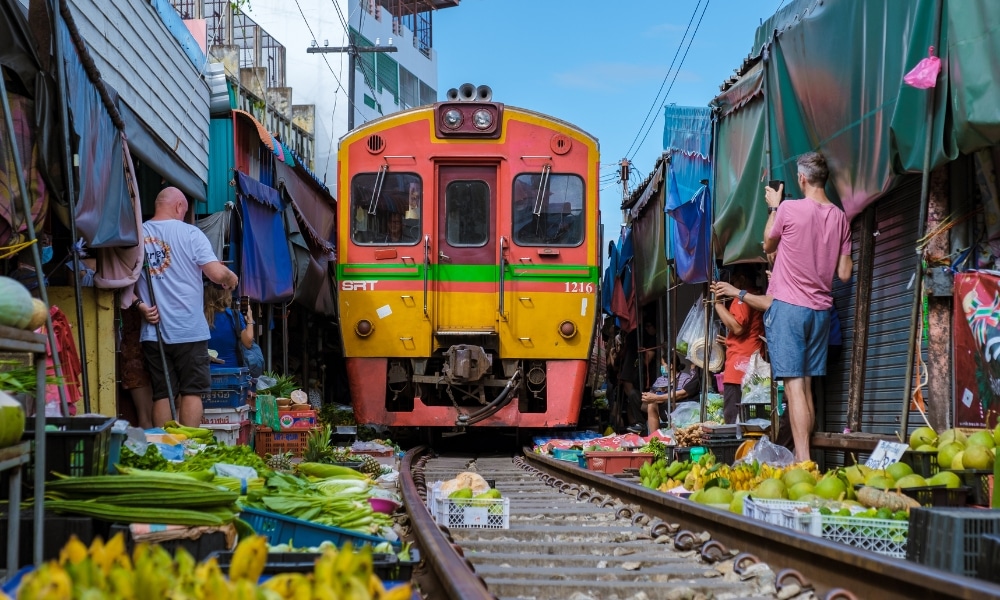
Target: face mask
[
  {"x": 46, "y": 254},
  {"x": 663, "y": 371}
]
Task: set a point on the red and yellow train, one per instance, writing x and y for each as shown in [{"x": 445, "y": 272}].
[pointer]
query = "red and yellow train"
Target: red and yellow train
[{"x": 468, "y": 265}]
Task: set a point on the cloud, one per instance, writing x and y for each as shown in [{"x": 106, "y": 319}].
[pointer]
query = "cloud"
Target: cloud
[
  {"x": 611, "y": 77},
  {"x": 662, "y": 29}
]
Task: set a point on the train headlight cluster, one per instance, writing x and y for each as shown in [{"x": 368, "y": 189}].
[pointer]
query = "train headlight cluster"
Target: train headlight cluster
[
  {"x": 364, "y": 328},
  {"x": 453, "y": 118},
  {"x": 567, "y": 329},
  {"x": 482, "y": 119}
]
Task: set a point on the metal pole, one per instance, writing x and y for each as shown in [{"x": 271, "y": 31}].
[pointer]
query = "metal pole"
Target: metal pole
[
  {"x": 71, "y": 200},
  {"x": 36, "y": 256},
  {"x": 268, "y": 331},
  {"x": 159, "y": 342},
  {"x": 918, "y": 284},
  {"x": 284, "y": 339}
]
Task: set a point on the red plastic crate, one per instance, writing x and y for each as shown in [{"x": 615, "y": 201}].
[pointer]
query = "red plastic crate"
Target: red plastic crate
[
  {"x": 267, "y": 441},
  {"x": 612, "y": 462}
]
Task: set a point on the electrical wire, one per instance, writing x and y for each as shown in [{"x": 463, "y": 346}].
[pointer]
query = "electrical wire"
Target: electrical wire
[
  {"x": 676, "y": 72},
  {"x": 656, "y": 100},
  {"x": 347, "y": 28}
]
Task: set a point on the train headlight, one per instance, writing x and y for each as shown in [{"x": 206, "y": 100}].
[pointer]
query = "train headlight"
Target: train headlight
[
  {"x": 364, "y": 328},
  {"x": 482, "y": 119},
  {"x": 567, "y": 329},
  {"x": 453, "y": 118}
]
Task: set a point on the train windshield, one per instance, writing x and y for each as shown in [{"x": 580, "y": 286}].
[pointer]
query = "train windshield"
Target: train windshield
[
  {"x": 468, "y": 207},
  {"x": 390, "y": 217},
  {"x": 552, "y": 216}
]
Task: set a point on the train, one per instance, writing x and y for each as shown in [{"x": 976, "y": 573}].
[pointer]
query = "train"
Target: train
[{"x": 468, "y": 265}]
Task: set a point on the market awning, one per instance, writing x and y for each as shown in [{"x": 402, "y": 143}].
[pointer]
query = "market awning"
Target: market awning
[
  {"x": 265, "y": 260},
  {"x": 150, "y": 149},
  {"x": 687, "y": 136},
  {"x": 314, "y": 208}
]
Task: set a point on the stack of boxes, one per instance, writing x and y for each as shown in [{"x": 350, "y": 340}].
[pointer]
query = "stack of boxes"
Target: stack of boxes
[{"x": 227, "y": 406}]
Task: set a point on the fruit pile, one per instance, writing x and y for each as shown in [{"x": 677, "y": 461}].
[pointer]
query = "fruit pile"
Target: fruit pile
[
  {"x": 470, "y": 489},
  {"x": 956, "y": 450},
  {"x": 107, "y": 571}
]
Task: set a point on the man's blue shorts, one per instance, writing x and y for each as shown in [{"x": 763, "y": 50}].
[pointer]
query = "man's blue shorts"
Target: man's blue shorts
[{"x": 797, "y": 339}]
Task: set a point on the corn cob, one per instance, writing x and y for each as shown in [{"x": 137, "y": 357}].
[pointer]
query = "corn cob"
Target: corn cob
[{"x": 117, "y": 512}]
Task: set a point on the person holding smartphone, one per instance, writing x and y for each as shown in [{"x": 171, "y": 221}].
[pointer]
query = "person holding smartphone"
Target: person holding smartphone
[
  {"x": 812, "y": 239},
  {"x": 745, "y": 326}
]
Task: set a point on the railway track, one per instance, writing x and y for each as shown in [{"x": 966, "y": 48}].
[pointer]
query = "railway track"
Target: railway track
[{"x": 586, "y": 536}]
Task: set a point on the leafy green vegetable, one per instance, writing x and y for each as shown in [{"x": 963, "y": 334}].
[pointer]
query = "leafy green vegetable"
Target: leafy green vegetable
[
  {"x": 152, "y": 460},
  {"x": 243, "y": 456}
]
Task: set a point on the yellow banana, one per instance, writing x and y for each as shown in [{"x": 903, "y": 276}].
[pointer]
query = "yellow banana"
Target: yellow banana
[
  {"x": 284, "y": 584},
  {"x": 73, "y": 552},
  {"x": 248, "y": 559}
]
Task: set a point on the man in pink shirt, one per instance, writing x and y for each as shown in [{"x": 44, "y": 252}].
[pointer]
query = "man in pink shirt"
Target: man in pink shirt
[{"x": 813, "y": 240}]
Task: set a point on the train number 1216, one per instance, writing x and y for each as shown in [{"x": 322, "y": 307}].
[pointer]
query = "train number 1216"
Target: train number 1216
[{"x": 580, "y": 287}]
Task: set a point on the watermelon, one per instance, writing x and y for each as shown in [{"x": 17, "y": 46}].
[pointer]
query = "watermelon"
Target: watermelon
[{"x": 16, "y": 306}]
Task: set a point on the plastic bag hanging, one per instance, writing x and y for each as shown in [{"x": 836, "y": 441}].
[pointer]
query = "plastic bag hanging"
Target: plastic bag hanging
[{"x": 924, "y": 75}]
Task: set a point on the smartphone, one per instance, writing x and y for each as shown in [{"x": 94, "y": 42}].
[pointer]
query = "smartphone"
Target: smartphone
[{"x": 774, "y": 184}]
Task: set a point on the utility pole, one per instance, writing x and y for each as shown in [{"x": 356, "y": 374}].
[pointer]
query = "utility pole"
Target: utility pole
[{"x": 352, "y": 51}]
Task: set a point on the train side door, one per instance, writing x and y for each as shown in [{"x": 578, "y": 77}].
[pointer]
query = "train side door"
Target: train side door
[{"x": 466, "y": 249}]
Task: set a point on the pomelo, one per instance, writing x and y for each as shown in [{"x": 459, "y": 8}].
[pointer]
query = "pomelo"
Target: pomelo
[
  {"x": 945, "y": 478},
  {"x": 771, "y": 489},
  {"x": 800, "y": 489},
  {"x": 879, "y": 481},
  {"x": 946, "y": 454},
  {"x": 926, "y": 448},
  {"x": 996, "y": 435},
  {"x": 977, "y": 457},
  {"x": 952, "y": 435},
  {"x": 797, "y": 476},
  {"x": 982, "y": 438},
  {"x": 11, "y": 421},
  {"x": 911, "y": 481},
  {"x": 958, "y": 463},
  {"x": 831, "y": 488},
  {"x": 922, "y": 436},
  {"x": 716, "y": 495},
  {"x": 854, "y": 474},
  {"x": 898, "y": 470}
]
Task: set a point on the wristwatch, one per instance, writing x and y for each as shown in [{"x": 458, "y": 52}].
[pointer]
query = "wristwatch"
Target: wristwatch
[
  {"x": 741, "y": 294},
  {"x": 772, "y": 209}
]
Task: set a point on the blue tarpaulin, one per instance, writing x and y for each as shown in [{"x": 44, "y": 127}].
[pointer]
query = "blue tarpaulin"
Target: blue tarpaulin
[
  {"x": 692, "y": 231},
  {"x": 265, "y": 260},
  {"x": 687, "y": 135}
]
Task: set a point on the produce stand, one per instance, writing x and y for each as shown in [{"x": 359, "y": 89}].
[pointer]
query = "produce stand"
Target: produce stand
[{"x": 17, "y": 340}]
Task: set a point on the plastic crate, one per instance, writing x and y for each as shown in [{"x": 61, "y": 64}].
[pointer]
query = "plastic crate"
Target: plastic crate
[
  {"x": 224, "y": 398},
  {"x": 279, "y": 529},
  {"x": 989, "y": 559},
  {"x": 883, "y": 536},
  {"x": 612, "y": 462},
  {"x": 199, "y": 548},
  {"x": 785, "y": 513},
  {"x": 978, "y": 481},
  {"x": 58, "y": 529},
  {"x": 115, "y": 451},
  {"x": 938, "y": 495},
  {"x": 230, "y": 378},
  {"x": 234, "y": 434},
  {"x": 923, "y": 463},
  {"x": 80, "y": 447},
  {"x": 572, "y": 456},
  {"x": 267, "y": 441},
  {"x": 755, "y": 410},
  {"x": 724, "y": 451},
  {"x": 482, "y": 513},
  {"x": 226, "y": 416},
  {"x": 950, "y": 538}
]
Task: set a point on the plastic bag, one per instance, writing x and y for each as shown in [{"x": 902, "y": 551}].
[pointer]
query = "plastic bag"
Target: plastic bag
[
  {"x": 767, "y": 452},
  {"x": 264, "y": 382},
  {"x": 716, "y": 354},
  {"x": 693, "y": 326},
  {"x": 925, "y": 74},
  {"x": 686, "y": 413},
  {"x": 757, "y": 381}
]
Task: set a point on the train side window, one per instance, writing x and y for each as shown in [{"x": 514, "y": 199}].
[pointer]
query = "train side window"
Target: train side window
[
  {"x": 468, "y": 213},
  {"x": 394, "y": 217},
  {"x": 553, "y": 218}
]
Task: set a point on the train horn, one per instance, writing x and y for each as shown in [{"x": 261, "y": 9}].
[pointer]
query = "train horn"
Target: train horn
[
  {"x": 484, "y": 93},
  {"x": 467, "y": 91},
  {"x": 452, "y": 94}
]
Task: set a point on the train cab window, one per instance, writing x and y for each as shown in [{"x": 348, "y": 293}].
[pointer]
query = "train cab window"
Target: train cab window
[
  {"x": 468, "y": 213},
  {"x": 392, "y": 217},
  {"x": 548, "y": 212}
]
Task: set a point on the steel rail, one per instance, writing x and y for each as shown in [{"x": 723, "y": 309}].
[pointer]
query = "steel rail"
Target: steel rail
[
  {"x": 828, "y": 565},
  {"x": 454, "y": 573}
]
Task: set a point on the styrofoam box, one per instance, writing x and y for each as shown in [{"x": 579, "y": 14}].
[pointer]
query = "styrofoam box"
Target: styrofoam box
[
  {"x": 226, "y": 416},
  {"x": 231, "y": 434}
]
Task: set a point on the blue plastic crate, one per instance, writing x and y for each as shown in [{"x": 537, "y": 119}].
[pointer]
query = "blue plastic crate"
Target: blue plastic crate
[
  {"x": 567, "y": 455},
  {"x": 224, "y": 398},
  {"x": 230, "y": 378},
  {"x": 279, "y": 529}
]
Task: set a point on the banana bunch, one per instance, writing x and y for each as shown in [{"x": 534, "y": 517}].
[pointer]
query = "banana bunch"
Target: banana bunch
[
  {"x": 660, "y": 476},
  {"x": 106, "y": 571},
  {"x": 197, "y": 434}
]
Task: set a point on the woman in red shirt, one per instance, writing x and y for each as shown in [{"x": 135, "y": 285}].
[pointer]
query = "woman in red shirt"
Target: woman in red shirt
[{"x": 745, "y": 326}]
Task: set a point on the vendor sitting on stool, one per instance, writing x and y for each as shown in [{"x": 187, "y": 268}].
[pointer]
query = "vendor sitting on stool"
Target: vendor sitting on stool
[{"x": 687, "y": 387}]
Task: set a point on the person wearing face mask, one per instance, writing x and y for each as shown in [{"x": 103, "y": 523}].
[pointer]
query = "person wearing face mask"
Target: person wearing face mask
[{"x": 687, "y": 387}]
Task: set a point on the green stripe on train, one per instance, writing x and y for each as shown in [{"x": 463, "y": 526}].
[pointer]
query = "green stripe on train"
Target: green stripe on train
[{"x": 468, "y": 273}]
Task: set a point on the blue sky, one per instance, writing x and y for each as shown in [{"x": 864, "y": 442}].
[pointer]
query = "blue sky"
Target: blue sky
[{"x": 599, "y": 65}]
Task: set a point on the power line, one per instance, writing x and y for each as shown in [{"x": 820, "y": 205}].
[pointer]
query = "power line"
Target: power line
[
  {"x": 656, "y": 100},
  {"x": 674, "y": 80},
  {"x": 347, "y": 28}
]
